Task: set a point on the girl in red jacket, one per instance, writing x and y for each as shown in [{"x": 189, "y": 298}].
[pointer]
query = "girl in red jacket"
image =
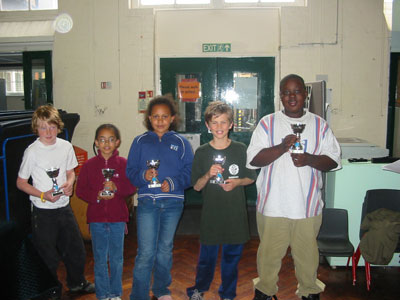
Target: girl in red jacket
[{"x": 102, "y": 183}]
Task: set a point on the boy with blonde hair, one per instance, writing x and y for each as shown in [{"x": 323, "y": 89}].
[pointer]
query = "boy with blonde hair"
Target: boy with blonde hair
[
  {"x": 224, "y": 214},
  {"x": 55, "y": 232}
]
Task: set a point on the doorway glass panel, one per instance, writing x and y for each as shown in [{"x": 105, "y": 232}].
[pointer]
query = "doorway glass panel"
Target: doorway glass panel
[
  {"x": 38, "y": 83},
  {"x": 39, "y": 93},
  {"x": 243, "y": 98},
  {"x": 189, "y": 96}
]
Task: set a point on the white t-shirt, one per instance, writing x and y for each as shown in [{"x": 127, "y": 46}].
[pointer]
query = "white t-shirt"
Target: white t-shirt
[
  {"x": 284, "y": 190},
  {"x": 37, "y": 158}
]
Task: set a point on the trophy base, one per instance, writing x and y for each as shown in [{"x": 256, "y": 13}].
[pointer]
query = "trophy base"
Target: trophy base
[
  {"x": 154, "y": 185},
  {"x": 213, "y": 181},
  {"x": 297, "y": 151},
  {"x": 57, "y": 193},
  {"x": 106, "y": 193}
]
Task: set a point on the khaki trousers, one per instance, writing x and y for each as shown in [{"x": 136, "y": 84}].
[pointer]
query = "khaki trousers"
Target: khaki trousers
[{"x": 276, "y": 235}]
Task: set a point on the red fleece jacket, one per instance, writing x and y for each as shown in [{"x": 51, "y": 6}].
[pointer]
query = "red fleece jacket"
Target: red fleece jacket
[{"x": 90, "y": 182}]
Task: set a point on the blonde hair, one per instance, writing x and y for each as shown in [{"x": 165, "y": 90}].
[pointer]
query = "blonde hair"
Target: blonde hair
[
  {"x": 49, "y": 114},
  {"x": 217, "y": 108}
]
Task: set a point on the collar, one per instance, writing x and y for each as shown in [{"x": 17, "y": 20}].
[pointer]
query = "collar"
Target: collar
[{"x": 115, "y": 153}]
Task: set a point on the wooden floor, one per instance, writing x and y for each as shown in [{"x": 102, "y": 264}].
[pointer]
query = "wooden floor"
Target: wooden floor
[{"x": 385, "y": 281}]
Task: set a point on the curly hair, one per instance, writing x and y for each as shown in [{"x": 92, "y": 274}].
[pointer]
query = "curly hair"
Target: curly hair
[{"x": 162, "y": 100}]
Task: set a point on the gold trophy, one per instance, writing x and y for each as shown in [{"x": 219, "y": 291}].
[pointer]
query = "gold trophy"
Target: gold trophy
[
  {"x": 53, "y": 174},
  {"x": 297, "y": 130},
  {"x": 108, "y": 174},
  {"x": 154, "y": 164},
  {"x": 220, "y": 160}
]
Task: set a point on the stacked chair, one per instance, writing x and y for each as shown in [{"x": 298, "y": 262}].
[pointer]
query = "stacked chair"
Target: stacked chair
[{"x": 333, "y": 238}]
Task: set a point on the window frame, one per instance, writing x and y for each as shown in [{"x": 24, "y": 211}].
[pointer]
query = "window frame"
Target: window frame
[
  {"x": 217, "y": 4},
  {"x": 29, "y": 8}
]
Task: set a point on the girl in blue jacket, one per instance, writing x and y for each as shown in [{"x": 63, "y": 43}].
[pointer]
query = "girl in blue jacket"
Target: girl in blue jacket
[{"x": 159, "y": 208}]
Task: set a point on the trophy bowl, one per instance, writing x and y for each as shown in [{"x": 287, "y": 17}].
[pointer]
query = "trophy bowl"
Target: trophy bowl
[
  {"x": 153, "y": 164},
  {"x": 108, "y": 174},
  {"x": 297, "y": 130},
  {"x": 53, "y": 174},
  {"x": 220, "y": 160}
]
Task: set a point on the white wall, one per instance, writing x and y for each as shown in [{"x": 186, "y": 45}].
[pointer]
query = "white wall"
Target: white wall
[
  {"x": 111, "y": 43},
  {"x": 355, "y": 62},
  {"x": 345, "y": 41}
]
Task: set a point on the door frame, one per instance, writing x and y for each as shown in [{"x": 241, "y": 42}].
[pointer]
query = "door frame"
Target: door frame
[
  {"x": 251, "y": 189},
  {"x": 157, "y": 73},
  {"x": 27, "y": 57}
]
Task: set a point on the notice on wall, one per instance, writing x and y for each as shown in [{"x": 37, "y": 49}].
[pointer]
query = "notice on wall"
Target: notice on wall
[
  {"x": 144, "y": 98},
  {"x": 188, "y": 90}
]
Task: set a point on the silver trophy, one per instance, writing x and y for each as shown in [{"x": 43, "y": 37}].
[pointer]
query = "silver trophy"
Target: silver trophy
[
  {"x": 220, "y": 160},
  {"x": 108, "y": 174},
  {"x": 53, "y": 174},
  {"x": 297, "y": 130},
  {"x": 154, "y": 164}
]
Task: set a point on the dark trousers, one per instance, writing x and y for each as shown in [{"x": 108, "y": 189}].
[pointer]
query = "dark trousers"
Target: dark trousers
[
  {"x": 230, "y": 257},
  {"x": 56, "y": 237}
]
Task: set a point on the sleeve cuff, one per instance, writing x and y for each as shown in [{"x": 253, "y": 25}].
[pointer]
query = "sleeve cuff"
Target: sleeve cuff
[{"x": 171, "y": 183}]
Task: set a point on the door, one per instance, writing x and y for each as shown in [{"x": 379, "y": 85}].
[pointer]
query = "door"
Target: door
[
  {"x": 245, "y": 83},
  {"x": 38, "y": 78}
]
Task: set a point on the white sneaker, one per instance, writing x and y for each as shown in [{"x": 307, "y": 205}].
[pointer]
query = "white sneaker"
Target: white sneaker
[
  {"x": 165, "y": 297},
  {"x": 116, "y": 298},
  {"x": 196, "y": 295}
]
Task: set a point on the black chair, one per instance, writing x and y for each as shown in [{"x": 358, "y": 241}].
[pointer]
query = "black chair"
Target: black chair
[
  {"x": 374, "y": 200},
  {"x": 333, "y": 238},
  {"x": 25, "y": 275}
]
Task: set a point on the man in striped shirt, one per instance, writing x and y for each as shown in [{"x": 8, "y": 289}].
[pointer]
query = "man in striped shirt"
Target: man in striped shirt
[{"x": 289, "y": 201}]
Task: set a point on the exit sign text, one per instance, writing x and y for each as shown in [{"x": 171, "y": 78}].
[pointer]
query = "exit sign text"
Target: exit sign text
[{"x": 217, "y": 47}]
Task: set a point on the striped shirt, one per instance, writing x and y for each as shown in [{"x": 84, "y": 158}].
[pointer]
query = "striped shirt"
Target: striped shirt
[{"x": 284, "y": 190}]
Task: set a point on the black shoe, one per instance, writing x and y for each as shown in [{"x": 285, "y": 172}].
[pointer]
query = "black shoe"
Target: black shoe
[
  {"x": 85, "y": 287},
  {"x": 258, "y": 295},
  {"x": 55, "y": 294},
  {"x": 311, "y": 297}
]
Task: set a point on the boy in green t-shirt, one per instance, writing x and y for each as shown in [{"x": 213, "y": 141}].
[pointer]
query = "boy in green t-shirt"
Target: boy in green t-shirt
[{"x": 219, "y": 172}]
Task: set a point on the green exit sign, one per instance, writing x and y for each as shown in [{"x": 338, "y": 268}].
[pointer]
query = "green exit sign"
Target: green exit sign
[{"x": 217, "y": 47}]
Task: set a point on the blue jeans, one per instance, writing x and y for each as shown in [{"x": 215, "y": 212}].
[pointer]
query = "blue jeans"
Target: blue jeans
[
  {"x": 108, "y": 244},
  {"x": 231, "y": 255},
  {"x": 156, "y": 225}
]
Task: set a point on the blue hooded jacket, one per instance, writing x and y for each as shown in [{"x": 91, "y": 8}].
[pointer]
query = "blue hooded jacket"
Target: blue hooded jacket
[{"x": 176, "y": 156}]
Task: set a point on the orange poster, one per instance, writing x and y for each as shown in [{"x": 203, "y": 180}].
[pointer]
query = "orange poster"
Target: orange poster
[{"x": 189, "y": 90}]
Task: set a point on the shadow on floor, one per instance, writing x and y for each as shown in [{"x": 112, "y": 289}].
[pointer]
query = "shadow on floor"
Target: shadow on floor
[{"x": 190, "y": 220}]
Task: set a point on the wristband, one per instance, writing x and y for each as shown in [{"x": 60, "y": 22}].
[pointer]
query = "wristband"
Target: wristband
[{"x": 41, "y": 197}]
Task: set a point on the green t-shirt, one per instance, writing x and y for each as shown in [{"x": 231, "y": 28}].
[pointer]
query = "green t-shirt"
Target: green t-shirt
[{"x": 224, "y": 214}]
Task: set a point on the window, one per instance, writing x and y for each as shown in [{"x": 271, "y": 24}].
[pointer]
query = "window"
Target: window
[
  {"x": 259, "y": 1},
  {"x": 13, "y": 5},
  {"x": 213, "y": 3},
  {"x": 14, "y": 81}
]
